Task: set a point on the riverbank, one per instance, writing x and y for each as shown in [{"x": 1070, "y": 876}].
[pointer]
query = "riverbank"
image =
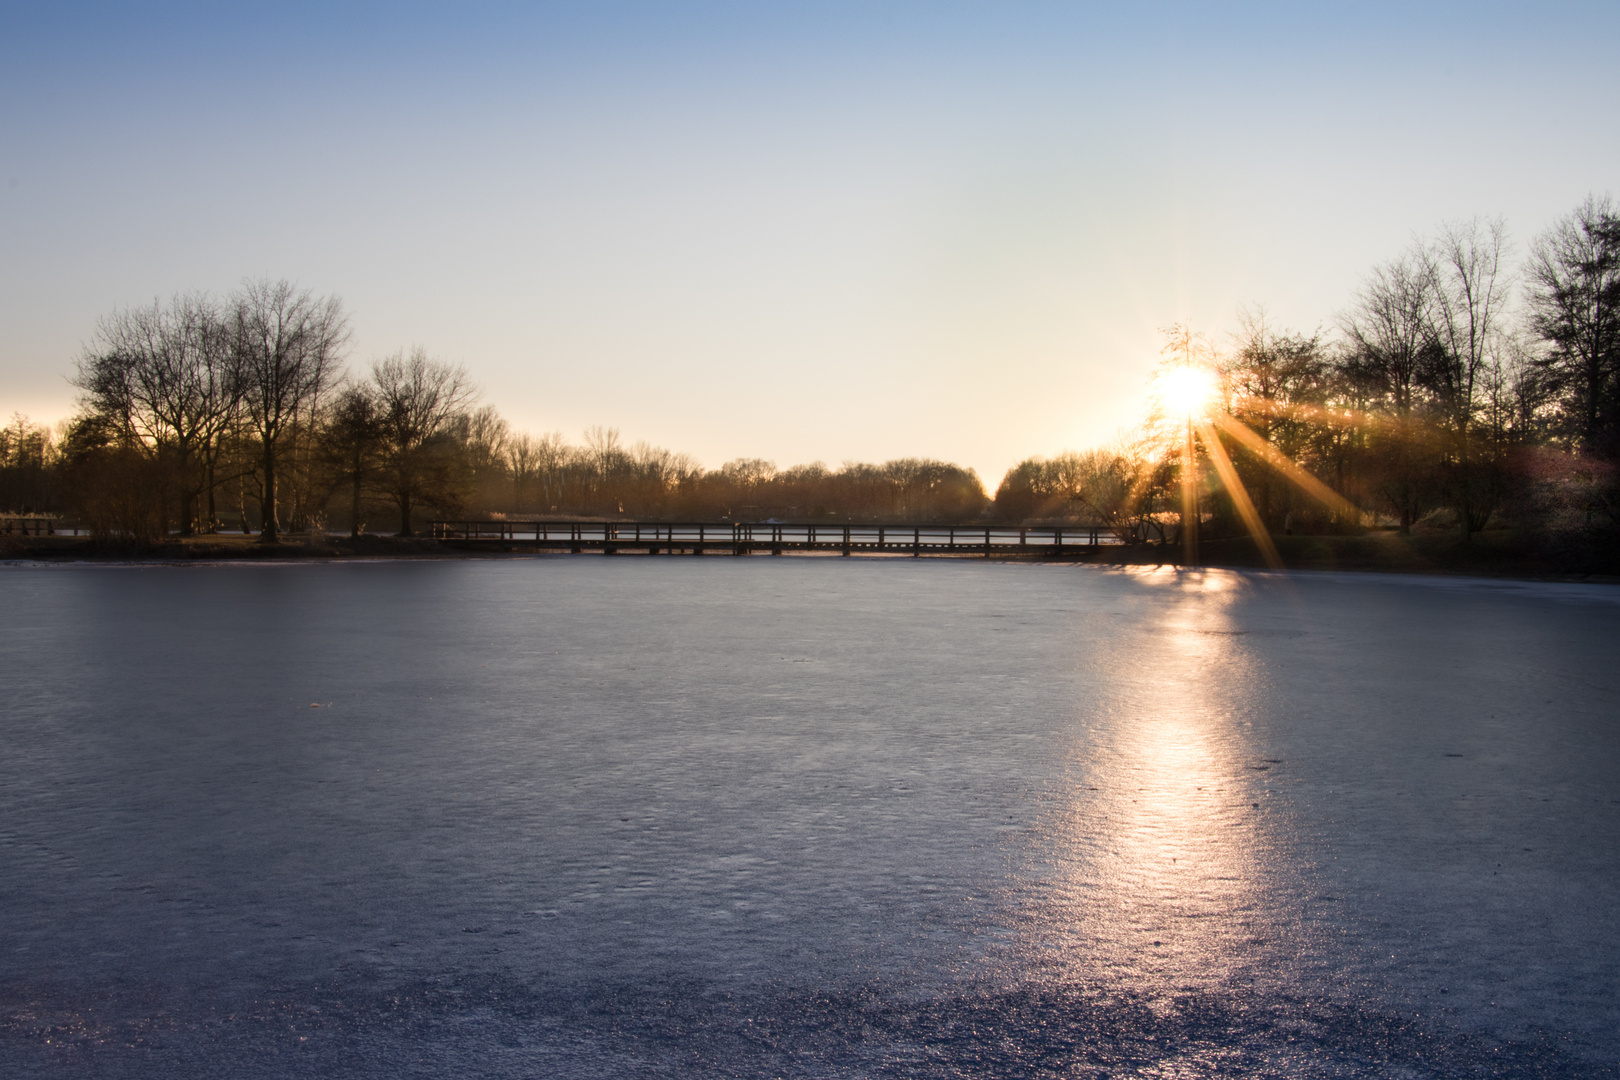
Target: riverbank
[
  {"x": 1497, "y": 553},
  {"x": 214, "y": 548}
]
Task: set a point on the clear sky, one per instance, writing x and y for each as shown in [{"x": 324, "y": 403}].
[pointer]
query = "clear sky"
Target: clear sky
[{"x": 794, "y": 231}]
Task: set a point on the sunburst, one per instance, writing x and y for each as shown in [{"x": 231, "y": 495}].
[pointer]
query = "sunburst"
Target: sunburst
[{"x": 1190, "y": 395}]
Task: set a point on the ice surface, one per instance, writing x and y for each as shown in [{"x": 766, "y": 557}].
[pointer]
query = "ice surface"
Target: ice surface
[{"x": 584, "y": 815}]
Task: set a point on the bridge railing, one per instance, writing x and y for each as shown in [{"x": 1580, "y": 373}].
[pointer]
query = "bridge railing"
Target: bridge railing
[{"x": 813, "y": 536}]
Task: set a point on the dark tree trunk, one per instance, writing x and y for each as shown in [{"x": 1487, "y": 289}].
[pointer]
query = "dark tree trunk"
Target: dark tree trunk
[
  {"x": 268, "y": 533},
  {"x": 213, "y": 513},
  {"x": 188, "y": 494},
  {"x": 354, "y": 500}
]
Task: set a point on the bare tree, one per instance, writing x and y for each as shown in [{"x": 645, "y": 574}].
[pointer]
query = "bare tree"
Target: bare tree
[
  {"x": 1097, "y": 487},
  {"x": 608, "y": 463},
  {"x": 1277, "y": 383},
  {"x": 484, "y": 435},
  {"x": 1108, "y": 487},
  {"x": 166, "y": 376},
  {"x": 659, "y": 475},
  {"x": 1390, "y": 327},
  {"x": 926, "y": 489},
  {"x": 807, "y": 488},
  {"x": 352, "y": 446},
  {"x": 552, "y": 456},
  {"x": 288, "y": 344},
  {"x": 420, "y": 401},
  {"x": 1471, "y": 290},
  {"x": 743, "y": 480},
  {"x": 522, "y": 458},
  {"x": 1390, "y": 333},
  {"x": 1575, "y": 306}
]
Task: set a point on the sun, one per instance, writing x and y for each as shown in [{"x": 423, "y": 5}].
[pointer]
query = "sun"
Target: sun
[
  {"x": 1189, "y": 409},
  {"x": 1187, "y": 391}
]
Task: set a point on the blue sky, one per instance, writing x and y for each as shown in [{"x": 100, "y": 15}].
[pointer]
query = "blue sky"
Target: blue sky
[{"x": 817, "y": 231}]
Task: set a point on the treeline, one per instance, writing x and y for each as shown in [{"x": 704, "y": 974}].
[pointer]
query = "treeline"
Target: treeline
[
  {"x": 1457, "y": 388},
  {"x": 204, "y": 415}
]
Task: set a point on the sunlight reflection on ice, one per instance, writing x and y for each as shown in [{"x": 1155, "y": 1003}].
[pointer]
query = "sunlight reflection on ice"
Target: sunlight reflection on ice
[{"x": 1159, "y": 857}]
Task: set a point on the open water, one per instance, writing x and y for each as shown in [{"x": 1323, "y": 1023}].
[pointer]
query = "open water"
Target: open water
[{"x": 804, "y": 817}]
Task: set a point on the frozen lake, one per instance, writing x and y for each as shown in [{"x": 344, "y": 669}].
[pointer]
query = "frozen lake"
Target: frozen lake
[{"x": 586, "y": 816}]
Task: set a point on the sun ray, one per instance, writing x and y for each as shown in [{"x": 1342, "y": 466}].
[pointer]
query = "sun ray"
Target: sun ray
[
  {"x": 1281, "y": 462},
  {"x": 1190, "y": 403},
  {"x": 1301, "y": 412},
  {"x": 1189, "y": 498},
  {"x": 1240, "y": 495},
  {"x": 1139, "y": 487}
]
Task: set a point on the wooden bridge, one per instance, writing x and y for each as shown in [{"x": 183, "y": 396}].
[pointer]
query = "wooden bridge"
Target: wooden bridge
[{"x": 655, "y": 538}]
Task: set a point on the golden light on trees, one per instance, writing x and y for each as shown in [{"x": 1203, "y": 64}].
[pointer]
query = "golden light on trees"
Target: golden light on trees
[{"x": 1191, "y": 408}]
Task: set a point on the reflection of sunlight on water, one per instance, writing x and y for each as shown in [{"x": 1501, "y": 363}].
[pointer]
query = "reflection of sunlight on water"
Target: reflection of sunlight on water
[{"x": 1156, "y": 855}]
